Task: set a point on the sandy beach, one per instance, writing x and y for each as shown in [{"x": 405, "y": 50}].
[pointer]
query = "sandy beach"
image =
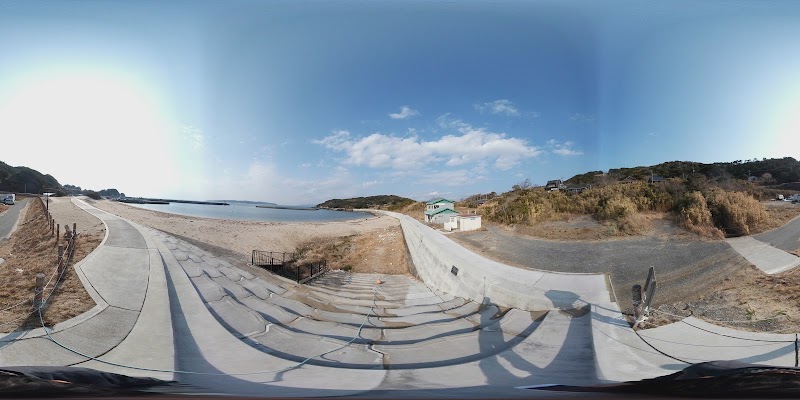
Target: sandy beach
[{"x": 242, "y": 237}]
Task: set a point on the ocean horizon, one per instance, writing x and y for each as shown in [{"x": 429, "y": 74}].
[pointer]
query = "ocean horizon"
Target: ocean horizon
[{"x": 249, "y": 212}]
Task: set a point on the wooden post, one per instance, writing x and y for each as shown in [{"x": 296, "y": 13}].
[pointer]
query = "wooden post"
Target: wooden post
[
  {"x": 61, "y": 262},
  {"x": 58, "y": 232},
  {"x": 38, "y": 290},
  {"x": 74, "y": 229},
  {"x": 636, "y": 292},
  {"x": 52, "y": 227}
]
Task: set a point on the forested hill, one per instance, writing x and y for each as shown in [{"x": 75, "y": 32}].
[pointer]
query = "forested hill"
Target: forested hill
[
  {"x": 388, "y": 202},
  {"x": 773, "y": 171},
  {"x": 22, "y": 179}
]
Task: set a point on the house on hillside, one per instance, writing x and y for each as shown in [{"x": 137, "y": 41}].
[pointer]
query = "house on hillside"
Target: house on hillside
[
  {"x": 577, "y": 189},
  {"x": 656, "y": 179},
  {"x": 555, "y": 186},
  {"x": 628, "y": 180},
  {"x": 439, "y": 211}
]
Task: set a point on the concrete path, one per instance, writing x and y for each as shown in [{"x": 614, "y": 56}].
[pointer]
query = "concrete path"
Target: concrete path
[
  {"x": 10, "y": 218},
  {"x": 769, "y": 259},
  {"x": 622, "y": 354},
  {"x": 117, "y": 277}
]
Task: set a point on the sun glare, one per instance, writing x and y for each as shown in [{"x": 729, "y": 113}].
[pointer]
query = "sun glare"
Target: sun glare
[{"x": 89, "y": 119}]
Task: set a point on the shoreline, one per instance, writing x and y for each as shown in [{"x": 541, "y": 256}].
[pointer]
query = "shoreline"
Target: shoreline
[{"x": 242, "y": 236}]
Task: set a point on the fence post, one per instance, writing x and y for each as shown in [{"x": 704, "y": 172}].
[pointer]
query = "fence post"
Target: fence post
[
  {"x": 636, "y": 292},
  {"x": 38, "y": 290},
  {"x": 74, "y": 229},
  {"x": 60, "y": 263},
  {"x": 58, "y": 231},
  {"x": 52, "y": 227}
]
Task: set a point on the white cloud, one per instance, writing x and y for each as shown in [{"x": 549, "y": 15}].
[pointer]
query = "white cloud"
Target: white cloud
[
  {"x": 579, "y": 117},
  {"x": 563, "y": 148},
  {"x": 470, "y": 146},
  {"x": 370, "y": 183},
  {"x": 405, "y": 112},
  {"x": 193, "y": 135},
  {"x": 502, "y": 106}
]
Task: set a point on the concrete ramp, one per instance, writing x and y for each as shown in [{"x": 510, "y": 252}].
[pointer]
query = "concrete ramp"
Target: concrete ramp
[{"x": 771, "y": 260}]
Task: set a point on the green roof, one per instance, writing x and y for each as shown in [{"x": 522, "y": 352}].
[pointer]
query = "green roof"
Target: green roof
[
  {"x": 440, "y": 210},
  {"x": 441, "y": 201}
]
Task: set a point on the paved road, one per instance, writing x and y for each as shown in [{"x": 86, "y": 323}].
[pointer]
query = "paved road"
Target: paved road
[
  {"x": 786, "y": 238},
  {"x": 682, "y": 266},
  {"x": 8, "y": 219}
]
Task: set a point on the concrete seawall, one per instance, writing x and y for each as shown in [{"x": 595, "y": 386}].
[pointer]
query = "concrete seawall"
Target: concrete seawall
[{"x": 449, "y": 267}]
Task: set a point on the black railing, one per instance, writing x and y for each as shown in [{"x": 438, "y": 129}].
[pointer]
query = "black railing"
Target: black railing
[
  {"x": 285, "y": 265},
  {"x": 264, "y": 258}
]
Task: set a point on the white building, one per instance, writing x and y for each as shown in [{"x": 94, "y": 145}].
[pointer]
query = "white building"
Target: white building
[{"x": 463, "y": 223}]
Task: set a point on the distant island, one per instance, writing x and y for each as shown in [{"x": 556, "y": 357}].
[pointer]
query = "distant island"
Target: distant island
[
  {"x": 255, "y": 203},
  {"x": 382, "y": 201},
  {"x": 143, "y": 200}
]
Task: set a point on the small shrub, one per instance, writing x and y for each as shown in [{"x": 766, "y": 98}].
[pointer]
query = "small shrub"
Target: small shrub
[{"x": 615, "y": 208}]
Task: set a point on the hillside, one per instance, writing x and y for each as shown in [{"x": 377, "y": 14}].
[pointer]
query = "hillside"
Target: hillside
[
  {"x": 24, "y": 179},
  {"x": 386, "y": 202},
  {"x": 712, "y": 200},
  {"x": 773, "y": 171}
]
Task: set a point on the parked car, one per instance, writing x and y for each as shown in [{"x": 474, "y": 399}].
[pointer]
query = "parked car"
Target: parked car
[{"x": 8, "y": 201}]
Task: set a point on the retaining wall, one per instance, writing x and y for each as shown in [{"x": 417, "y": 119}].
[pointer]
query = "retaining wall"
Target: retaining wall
[{"x": 445, "y": 265}]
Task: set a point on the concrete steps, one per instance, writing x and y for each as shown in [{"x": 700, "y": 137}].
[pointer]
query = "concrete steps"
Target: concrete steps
[{"x": 346, "y": 320}]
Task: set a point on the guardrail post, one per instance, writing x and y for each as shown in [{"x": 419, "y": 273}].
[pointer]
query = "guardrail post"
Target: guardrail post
[{"x": 38, "y": 290}]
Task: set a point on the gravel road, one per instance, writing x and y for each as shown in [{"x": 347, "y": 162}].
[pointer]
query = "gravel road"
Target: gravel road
[{"x": 684, "y": 268}]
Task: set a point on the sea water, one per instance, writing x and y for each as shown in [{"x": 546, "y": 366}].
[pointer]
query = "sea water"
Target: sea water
[{"x": 249, "y": 212}]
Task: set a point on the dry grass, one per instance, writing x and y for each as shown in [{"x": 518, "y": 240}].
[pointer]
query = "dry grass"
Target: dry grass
[
  {"x": 414, "y": 210},
  {"x": 3, "y": 207},
  {"x": 31, "y": 250},
  {"x": 780, "y": 212},
  {"x": 696, "y": 217},
  {"x": 736, "y": 213},
  {"x": 381, "y": 251},
  {"x": 761, "y": 302}
]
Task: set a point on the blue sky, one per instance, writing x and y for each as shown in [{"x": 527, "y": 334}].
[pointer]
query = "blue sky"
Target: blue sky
[{"x": 298, "y": 102}]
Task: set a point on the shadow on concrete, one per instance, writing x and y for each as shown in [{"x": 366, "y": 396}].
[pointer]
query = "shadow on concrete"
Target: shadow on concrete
[
  {"x": 205, "y": 378},
  {"x": 573, "y": 362}
]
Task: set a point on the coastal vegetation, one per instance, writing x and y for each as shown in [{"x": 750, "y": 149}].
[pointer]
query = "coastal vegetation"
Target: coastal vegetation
[{"x": 712, "y": 200}]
